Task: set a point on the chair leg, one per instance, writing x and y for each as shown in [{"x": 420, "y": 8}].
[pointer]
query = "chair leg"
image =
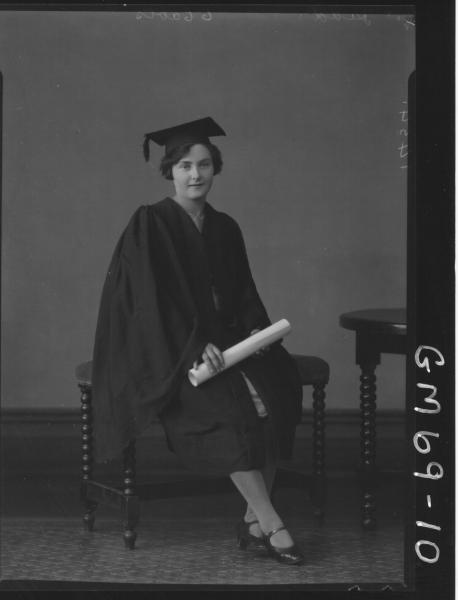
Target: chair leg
[
  {"x": 319, "y": 476},
  {"x": 87, "y": 458},
  {"x": 131, "y": 506}
]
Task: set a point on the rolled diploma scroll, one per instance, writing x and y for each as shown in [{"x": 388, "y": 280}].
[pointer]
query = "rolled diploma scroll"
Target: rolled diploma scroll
[{"x": 242, "y": 350}]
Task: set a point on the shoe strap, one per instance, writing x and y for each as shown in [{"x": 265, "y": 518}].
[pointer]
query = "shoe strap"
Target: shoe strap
[{"x": 274, "y": 531}]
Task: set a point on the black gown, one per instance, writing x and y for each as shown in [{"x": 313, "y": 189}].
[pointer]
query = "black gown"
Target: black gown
[{"x": 157, "y": 314}]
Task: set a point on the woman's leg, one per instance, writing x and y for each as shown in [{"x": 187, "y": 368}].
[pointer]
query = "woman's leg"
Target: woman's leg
[
  {"x": 255, "y": 486},
  {"x": 252, "y": 486},
  {"x": 268, "y": 473}
]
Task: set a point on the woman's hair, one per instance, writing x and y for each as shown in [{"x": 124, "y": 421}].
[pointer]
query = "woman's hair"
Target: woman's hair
[{"x": 176, "y": 154}]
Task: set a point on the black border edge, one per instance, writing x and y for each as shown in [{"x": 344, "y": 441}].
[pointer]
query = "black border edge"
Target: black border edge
[{"x": 431, "y": 297}]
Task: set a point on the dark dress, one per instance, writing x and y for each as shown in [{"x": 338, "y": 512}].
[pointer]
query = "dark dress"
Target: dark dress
[{"x": 157, "y": 314}]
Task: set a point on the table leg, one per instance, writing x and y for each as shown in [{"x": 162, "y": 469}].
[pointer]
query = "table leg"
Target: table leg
[
  {"x": 368, "y": 443},
  {"x": 319, "y": 482}
]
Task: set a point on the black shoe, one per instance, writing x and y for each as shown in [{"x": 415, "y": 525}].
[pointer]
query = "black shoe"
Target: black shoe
[
  {"x": 291, "y": 555},
  {"x": 245, "y": 538}
]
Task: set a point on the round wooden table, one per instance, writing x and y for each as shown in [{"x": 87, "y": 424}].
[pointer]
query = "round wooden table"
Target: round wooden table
[{"x": 378, "y": 330}]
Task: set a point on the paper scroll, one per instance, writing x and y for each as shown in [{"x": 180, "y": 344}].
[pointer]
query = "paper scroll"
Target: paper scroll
[{"x": 242, "y": 350}]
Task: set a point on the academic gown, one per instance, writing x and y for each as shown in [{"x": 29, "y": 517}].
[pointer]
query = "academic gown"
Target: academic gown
[{"x": 169, "y": 291}]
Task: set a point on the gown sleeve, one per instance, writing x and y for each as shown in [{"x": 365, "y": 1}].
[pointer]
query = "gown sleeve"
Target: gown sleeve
[
  {"x": 146, "y": 335},
  {"x": 251, "y": 312}
]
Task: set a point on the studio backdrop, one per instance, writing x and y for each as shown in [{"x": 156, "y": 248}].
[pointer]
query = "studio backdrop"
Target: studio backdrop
[{"x": 315, "y": 111}]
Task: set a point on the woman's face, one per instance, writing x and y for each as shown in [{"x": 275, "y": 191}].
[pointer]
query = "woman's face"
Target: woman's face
[{"x": 193, "y": 174}]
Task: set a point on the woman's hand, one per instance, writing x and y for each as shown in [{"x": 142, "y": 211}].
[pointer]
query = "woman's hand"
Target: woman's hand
[
  {"x": 263, "y": 350},
  {"x": 213, "y": 358}
]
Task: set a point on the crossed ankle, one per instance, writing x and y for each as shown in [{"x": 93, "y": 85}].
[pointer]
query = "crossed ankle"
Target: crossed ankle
[
  {"x": 254, "y": 527},
  {"x": 281, "y": 538},
  {"x": 270, "y": 525}
]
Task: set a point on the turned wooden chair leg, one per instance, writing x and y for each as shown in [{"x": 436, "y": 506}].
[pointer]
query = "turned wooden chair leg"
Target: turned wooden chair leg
[
  {"x": 368, "y": 405},
  {"x": 131, "y": 506},
  {"x": 319, "y": 476},
  {"x": 87, "y": 458}
]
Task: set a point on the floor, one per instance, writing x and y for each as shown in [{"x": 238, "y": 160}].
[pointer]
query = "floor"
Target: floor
[{"x": 191, "y": 541}]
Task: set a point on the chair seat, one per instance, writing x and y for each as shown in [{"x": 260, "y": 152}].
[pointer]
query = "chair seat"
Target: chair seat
[{"x": 312, "y": 370}]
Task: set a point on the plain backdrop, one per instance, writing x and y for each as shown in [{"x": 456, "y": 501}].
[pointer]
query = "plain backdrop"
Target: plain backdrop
[{"x": 314, "y": 172}]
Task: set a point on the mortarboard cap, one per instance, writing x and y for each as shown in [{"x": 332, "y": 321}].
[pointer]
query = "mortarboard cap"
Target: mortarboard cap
[{"x": 193, "y": 131}]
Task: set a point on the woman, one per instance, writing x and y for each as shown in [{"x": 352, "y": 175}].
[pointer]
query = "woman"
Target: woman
[{"x": 179, "y": 290}]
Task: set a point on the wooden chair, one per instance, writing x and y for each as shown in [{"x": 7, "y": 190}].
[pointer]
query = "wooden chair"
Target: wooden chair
[{"x": 314, "y": 371}]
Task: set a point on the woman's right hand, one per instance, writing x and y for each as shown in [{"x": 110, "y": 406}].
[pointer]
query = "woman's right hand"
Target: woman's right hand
[{"x": 213, "y": 358}]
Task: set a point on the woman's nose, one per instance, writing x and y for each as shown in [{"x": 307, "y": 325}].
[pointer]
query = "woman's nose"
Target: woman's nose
[{"x": 195, "y": 173}]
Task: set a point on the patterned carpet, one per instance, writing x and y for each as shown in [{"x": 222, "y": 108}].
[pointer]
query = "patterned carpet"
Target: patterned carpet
[
  {"x": 198, "y": 550},
  {"x": 190, "y": 541}
]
